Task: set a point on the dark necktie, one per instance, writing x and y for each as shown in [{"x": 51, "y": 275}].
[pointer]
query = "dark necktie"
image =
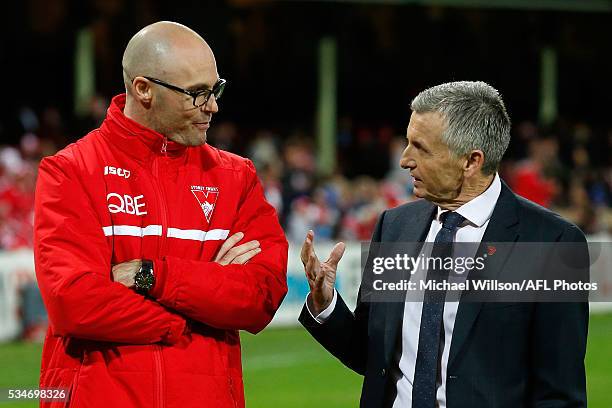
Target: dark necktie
[{"x": 426, "y": 368}]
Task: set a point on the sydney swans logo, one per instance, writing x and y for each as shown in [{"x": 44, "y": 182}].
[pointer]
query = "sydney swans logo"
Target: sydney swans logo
[{"x": 207, "y": 198}]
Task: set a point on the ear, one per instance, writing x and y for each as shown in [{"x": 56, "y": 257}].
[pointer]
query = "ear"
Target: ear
[
  {"x": 142, "y": 91},
  {"x": 473, "y": 163}
]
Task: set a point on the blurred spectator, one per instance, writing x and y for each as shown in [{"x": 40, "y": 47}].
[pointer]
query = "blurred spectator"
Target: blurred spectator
[
  {"x": 270, "y": 174},
  {"x": 224, "y": 136},
  {"x": 17, "y": 182},
  {"x": 532, "y": 177},
  {"x": 94, "y": 115},
  {"x": 299, "y": 172},
  {"x": 264, "y": 149},
  {"x": 367, "y": 204}
]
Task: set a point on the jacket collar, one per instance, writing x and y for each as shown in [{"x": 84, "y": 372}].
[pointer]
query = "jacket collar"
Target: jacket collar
[
  {"x": 503, "y": 227},
  {"x": 133, "y": 138}
]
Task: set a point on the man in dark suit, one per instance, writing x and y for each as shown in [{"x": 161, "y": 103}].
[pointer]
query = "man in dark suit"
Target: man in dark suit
[{"x": 433, "y": 353}]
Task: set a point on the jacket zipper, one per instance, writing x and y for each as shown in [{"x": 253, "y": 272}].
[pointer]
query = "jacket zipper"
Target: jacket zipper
[
  {"x": 159, "y": 378},
  {"x": 160, "y": 200},
  {"x": 157, "y": 352},
  {"x": 231, "y": 385},
  {"x": 229, "y": 376}
]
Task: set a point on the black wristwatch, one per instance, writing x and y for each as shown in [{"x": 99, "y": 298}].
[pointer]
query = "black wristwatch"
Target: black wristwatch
[{"x": 145, "y": 278}]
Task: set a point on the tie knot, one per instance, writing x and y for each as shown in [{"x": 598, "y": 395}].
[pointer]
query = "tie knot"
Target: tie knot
[{"x": 451, "y": 220}]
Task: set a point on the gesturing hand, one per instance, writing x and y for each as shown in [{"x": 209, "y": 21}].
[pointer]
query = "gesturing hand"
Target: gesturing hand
[
  {"x": 229, "y": 253},
  {"x": 321, "y": 275}
]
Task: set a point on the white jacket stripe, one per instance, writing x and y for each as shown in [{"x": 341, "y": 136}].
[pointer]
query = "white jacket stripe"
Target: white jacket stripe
[
  {"x": 132, "y": 230},
  {"x": 190, "y": 234},
  {"x": 198, "y": 235}
]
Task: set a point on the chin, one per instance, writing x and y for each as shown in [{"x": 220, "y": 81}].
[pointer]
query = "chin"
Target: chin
[
  {"x": 418, "y": 193},
  {"x": 198, "y": 140}
]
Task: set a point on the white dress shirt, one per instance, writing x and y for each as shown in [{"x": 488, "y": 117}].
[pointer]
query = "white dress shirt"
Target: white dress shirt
[{"x": 477, "y": 213}]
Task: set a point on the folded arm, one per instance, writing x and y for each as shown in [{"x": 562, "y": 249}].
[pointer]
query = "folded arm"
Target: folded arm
[
  {"x": 234, "y": 296},
  {"x": 73, "y": 267}
]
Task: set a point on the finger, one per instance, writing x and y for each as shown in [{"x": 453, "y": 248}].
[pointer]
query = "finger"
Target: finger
[
  {"x": 229, "y": 244},
  {"x": 336, "y": 254},
  {"x": 316, "y": 267},
  {"x": 307, "y": 247},
  {"x": 247, "y": 256},
  {"x": 244, "y": 258},
  {"x": 309, "y": 269},
  {"x": 304, "y": 253},
  {"x": 240, "y": 250},
  {"x": 312, "y": 260}
]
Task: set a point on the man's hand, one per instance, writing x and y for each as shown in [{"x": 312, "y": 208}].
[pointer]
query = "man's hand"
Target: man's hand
[
  {"x": 241, "y": 254},
  {"x": 125, "y": 272},
  {"x": 321, "y": 275}
]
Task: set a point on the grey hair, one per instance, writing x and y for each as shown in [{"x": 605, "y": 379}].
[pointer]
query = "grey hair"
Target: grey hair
[{"x": 476, "y": 119}]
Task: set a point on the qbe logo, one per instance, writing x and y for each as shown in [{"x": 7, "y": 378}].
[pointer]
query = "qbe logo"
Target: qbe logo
[
  {"x": 117, "y": 171},
  {"x": 126, "y": 204}
]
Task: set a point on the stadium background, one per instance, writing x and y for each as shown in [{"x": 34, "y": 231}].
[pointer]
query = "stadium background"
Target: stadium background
[{"x": 318, "y": 97}]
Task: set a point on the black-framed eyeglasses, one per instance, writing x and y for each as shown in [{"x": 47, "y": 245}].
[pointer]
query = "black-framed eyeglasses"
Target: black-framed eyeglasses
[{"x": 199, "y": 97}]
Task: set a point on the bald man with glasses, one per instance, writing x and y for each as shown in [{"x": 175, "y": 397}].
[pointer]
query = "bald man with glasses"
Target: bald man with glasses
[{"x": 153, "y": 248}]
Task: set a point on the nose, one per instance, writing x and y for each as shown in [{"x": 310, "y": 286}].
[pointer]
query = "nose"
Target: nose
[
  {"x": 407, "y": 161},
  {"x": 211, "y": 105}
]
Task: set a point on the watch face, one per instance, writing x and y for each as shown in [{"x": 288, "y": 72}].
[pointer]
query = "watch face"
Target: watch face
[{"x": 144, "y": 279}]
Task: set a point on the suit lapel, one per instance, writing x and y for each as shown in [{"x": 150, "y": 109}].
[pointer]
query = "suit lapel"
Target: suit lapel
[
  {"x": 412, "y": 228},
  {"x": 503, "y": 227}
]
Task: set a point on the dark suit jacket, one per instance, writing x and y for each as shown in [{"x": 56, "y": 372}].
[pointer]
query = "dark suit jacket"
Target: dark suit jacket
[{"x": 502, "y": 354}]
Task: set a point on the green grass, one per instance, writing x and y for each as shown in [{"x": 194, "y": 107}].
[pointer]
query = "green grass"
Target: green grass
[
  {"x": 286, "y": 368},
  {"x": 19, "y": 368},
  {"x": 599, "y": 361}
]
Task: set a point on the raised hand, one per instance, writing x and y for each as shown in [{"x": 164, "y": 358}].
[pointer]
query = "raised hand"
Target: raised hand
[{"x": 321, "y": 275}]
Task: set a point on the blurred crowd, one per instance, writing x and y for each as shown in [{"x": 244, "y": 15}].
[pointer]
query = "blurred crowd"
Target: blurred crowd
[
  {"x": 42, "y": 136},
  {"x": 565, "y": 167}
]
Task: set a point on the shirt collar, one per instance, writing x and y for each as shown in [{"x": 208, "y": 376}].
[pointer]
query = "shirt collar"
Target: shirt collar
[{"x": 478, "y": 210}]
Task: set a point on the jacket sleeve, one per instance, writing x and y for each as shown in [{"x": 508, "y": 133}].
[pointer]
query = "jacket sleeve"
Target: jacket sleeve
[
  {"x": 345, "y": 334},
  {"x": 559, "y": 341},
  {"x": 72, "y": 260},
  {"x": 238, "y": 297}
]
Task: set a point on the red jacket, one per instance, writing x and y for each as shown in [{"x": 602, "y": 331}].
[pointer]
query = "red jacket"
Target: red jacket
[{"x": 124, "y": 192}]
